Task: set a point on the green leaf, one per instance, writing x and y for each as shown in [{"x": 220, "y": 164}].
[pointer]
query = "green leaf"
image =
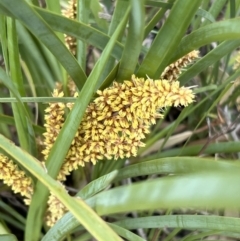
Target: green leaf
[
  {"x": 133, "y": 43},
  {"x": 10, "y": 121},
  {"x": 30, "y": 18},
  {"x": 194, "y": 222},
  {"x": 215, "y": 9},
  {"x": 80, "y": 210},
  {"x": 119, "y": 11},
  {"x": 83, "y": 11},
  {"x": 12, "y": 212},
  {"x": 174, "y": 165},
  {"x": 218, "y": 31},
  {"x": 9, "y": 84},
  {"x": 79, "y": 31},
  {"x": 97, "y": 185},
  {"x": 213, "y": 148},
  {"x": 201, "y": 190},
  {"x": 209, "y": 59},
  {"x": 8, "y": 237},
  {"x": 203, "y": 13},
  {"x": 125, "y": 233},
  {"x": 12, "y": 221},
  {"x": 157, "y": 3},
  {"x": 168, "y": 38},
  {"x": 23, "y": 123},
  {"x": 75, "y": 29}
]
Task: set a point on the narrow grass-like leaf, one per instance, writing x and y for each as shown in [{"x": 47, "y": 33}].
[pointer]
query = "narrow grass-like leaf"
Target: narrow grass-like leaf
[
  {"x": 79, "y": 30},
  {"x": 111, "y": 68},
  {"x": 23, "y": 123},
  {"x": 218, "y": 31},
  {"x": 75, "y": 29},
  {"x": 31, "y": 54},
  {"x": 125, "y": 233},
  {"x": 83, "y": 11},
  {"x": 25, "y": 13},
  {"x": 172, "y": 234},
  {"x": 203, "y": 13},
  {"x": 163, "y": 47},
  {"x": 160, "y": 4},
  {"x": 232, "y": 4},
  {"x": 9, "y": 84},
  {"x": 8, "y": 237},
  {"x": 12, "y": 221},
  {"x": 82, "y": 211},
  {"x": 200, "y": 236},
  {"x": 3, "y": 125},
  {"x": 133, "y": 43},
  {"x": 213, "y": 148},
  {"x": 200, "y": 222},
  {"x": 152, "y": 23},
  {"x": 54, "y": 6},
  {"x": 62, "y": 228},
  {"x": 12, "y": 212},
  {"x": 209, "y": 59},
  {"x": 175, "y": 165},
  {"x": 39, "y": 99},
  {"x": 10, "y": 121},
  {"x": 201, "y": 190},
  {"x": 215, "y": 9},
  {"x": 97, "y": 10},
  {"x": 163, "y": 190},
  {"x": 97, "y": 185}
]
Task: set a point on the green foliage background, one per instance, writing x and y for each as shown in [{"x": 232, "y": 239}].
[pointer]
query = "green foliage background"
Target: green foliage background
[{"x": 184, "y": 185}]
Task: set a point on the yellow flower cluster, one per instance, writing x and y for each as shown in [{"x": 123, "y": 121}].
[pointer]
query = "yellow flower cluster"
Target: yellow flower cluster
[
  {"x": 71, "y": 12},
  {"x": 172, "y": 71},
  {"x": 15, "y": 178},
  {"x": 113, "y": 125},
  {"x": 55, "y": 210},
  {"x": 116, "y": 121},
  {"x": 54, "y": 120}
]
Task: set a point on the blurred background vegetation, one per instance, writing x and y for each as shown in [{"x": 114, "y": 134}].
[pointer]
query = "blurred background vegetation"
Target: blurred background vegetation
[{"x": 184, "y": 184}]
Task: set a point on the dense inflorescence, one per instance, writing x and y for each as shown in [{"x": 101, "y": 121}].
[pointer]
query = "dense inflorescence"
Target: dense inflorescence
[
  {"x": 114, "y": 123},
  {"x": 71, "y": 12},
  {"x": 54, "y": 120},
  {"x": 119, "y": 118},
  {"x": 55, "y": 210},
  {"x": 172, "y": 71},
  {"x": 16, "y": 178}
]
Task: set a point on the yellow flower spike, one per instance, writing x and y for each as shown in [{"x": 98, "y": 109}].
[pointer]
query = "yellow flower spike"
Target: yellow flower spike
[
  {"x": 55, "y": 210},
  {"x": 116, "y": 121},
  {"x": 16, "y": 178},
  {"x": 71, "y": 12},
  {"x": 172, "y": 72},
  {"x": 54, "y": 118}
]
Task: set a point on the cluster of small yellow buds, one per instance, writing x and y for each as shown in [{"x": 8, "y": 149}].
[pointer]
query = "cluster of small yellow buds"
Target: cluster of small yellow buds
[
  {"x": 54, "y": 122},
  {"x": 172, "y": 72},
  {"x": 55, "y": 210},
  {"x": 71, "y": 12},
  {"x": 15, "y": 178},
  {"x": 119, "y": 118},
  {"x": 113, "y": 125}
]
